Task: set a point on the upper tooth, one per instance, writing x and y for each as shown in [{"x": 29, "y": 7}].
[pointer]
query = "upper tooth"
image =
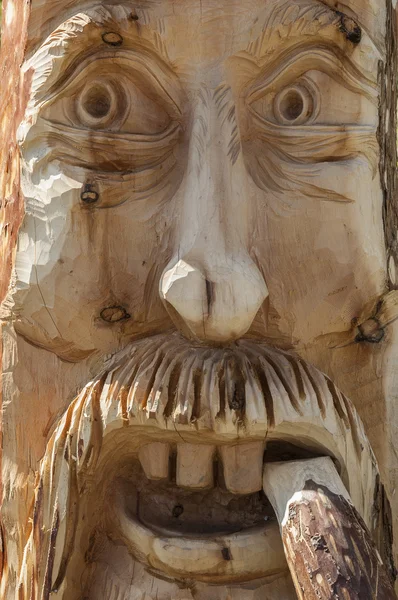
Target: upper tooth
[
  {"x": 154, "y": 460},
  {"x": 195, "y": 465},
  {"x": 243, "y": 466}
]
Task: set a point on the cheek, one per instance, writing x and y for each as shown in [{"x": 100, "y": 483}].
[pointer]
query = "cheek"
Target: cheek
[
  {"x": 108, "y": 256},
  {"x": 322, "y": 260},
  {"x": 73, "y": 262}
]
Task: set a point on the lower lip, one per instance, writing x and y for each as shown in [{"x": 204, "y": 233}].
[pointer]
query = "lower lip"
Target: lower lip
[{"x": 250, "y": 554}]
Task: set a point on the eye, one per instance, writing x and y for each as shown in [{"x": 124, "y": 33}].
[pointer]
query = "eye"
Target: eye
[
  {"x": 296, "y": 104},
  {"x": 110, "y": 97},
  {"x": 110, "y": 105},
  {"x": 313, "y": 87},
  {"x": 100, "y": 104}
]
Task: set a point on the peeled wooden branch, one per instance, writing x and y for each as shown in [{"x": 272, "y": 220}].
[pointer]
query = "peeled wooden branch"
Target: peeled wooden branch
[{"x": 327, "y": 545}]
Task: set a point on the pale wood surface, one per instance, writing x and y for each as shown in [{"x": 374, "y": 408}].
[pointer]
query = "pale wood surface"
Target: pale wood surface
[
  {"x": 195, "y": 465},
  {"x": 199, "y": 260},
  {"x": 243, "y": 467},
  {"x": 154, "y": 459}
]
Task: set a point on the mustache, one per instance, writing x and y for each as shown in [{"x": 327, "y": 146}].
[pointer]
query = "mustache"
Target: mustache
[{"x": 167, "y": 378}]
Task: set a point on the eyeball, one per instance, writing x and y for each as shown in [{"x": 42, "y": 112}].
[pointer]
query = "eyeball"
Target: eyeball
[
  {"x": 100, "y": 105},
  {"x": 295, "y": 104}
]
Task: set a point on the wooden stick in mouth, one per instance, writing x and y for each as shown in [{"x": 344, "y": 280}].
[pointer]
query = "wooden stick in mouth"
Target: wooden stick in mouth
[{"x": 328, "y": 547}]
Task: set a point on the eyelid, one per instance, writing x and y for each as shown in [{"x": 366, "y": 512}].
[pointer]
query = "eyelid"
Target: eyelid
[
  {"x": 297, "y": 62},
  {"x": 160, "y": 79},
  {"x": 318, "y": 143},
  {"x": 130, "y": 150}
]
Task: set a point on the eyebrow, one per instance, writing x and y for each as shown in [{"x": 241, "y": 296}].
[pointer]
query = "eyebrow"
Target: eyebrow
[
  {"x": 57, "y": 12},
  {"x": 287, "y": 22},
  {"x": 73, "y": 33}
]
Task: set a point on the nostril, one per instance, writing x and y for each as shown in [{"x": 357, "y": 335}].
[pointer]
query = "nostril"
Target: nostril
[{"x": 210, "y": 289}]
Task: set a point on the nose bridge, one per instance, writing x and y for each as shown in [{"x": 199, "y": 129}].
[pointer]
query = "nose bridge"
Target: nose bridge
[
  {"x": 211, "y": 282},
  {"x": 212, "y": 211}
]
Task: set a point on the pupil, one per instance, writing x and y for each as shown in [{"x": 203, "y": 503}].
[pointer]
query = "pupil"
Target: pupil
[
  {"x": 97, "y": 103},
  {"x": 292, "y": 105}
]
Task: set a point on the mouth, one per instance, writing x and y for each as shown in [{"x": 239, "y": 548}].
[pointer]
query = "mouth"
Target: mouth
[
  {"x": 198, "y": 512},
  {"x": 174, "y": 439}
]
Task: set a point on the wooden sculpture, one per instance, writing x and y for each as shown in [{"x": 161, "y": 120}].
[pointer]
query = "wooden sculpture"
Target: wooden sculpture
[{"x": 199, "y": 254}]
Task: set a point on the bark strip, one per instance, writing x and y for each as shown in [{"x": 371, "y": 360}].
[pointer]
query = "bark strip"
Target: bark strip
[{"x": 328, "y": 547}]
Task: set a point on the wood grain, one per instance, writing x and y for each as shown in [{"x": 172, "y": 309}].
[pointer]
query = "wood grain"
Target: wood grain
[{"x": 327, "y": 545}]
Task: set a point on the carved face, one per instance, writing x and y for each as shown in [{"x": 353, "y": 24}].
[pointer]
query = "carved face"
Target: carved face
[
  {"x": 167, "y": 159},
  {"x": 199, "y": 174}
]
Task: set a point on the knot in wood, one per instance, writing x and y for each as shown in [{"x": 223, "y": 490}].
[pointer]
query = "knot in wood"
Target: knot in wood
[
  {"x": 370, "y": 331},
  {"x": 177, "y": 511},
  {"x": 350, "y": 28},
  {"x": 89, "y": 195},
  {"x": 318, "y": 542},
  {"x": 114, "y": 314},
  {"x": 112, "y": 38},
  {"x": 226, "y": 554}
]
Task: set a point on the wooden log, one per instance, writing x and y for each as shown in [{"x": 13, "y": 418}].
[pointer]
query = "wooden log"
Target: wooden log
[{"x": 327, "y": 545}]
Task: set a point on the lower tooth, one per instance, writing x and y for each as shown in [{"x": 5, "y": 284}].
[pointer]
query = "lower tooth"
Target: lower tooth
[
  {"x": 194, "y": 466},
  {"x": 154, "y": 459},
  {"x": 243, "y": 465}
]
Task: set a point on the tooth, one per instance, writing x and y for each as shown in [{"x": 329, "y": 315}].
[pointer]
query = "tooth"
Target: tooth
[
  {"x": 154, "y": 459},
  {"x": 243, "y": 465},
  {"x": 195, "y": 466}
]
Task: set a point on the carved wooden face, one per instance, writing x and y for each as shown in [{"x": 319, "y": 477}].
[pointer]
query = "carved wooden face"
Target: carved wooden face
[
  {"x": 202, "y": 193},
  {"x": 216, "y": 179}
]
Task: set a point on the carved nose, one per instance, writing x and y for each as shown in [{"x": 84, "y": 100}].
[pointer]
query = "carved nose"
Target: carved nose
[{"x": 216, "y": 305}]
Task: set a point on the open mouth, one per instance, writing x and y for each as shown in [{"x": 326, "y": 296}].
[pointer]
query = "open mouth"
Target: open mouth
[
  {"x": 173, "y": 438},
  {"x": 197, "y": 511}
]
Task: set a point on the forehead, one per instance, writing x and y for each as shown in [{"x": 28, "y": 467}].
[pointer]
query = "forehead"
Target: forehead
[
  {"x": 195, "y": 37},
  {"x": 229, "y": 18}
]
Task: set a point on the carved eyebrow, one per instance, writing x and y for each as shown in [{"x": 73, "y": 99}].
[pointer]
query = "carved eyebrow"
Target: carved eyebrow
[
  {"x": 60, "y": 11},
  {"x": 321, "y": 57},
  {"x": 82, "y": 36},
  {"x": 132, "y": 34},
  {"x": 288, "y": 22}
]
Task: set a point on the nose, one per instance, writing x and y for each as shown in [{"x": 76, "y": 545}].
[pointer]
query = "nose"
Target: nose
[
  {"x": 217, "y": 300},
  {"x": 211, "y": 287}
]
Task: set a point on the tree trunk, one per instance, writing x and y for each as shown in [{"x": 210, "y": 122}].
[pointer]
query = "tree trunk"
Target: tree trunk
[{"x": 199, "y": 281}]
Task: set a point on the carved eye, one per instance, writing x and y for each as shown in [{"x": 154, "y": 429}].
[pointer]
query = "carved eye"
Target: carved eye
[
  {"x": 117, "y": 116},
  {"x": 112, "y": 105},
  {"x": 110, "y": 98},
  {"x": 295, "y": 104},
  {"x": 100, "y": 104}
]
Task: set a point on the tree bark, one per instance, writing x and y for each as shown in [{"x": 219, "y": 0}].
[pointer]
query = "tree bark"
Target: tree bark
[{"x": 327, "y": 545}]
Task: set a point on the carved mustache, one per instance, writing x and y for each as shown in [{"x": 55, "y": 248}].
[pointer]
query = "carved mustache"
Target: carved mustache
[{"x": 166, "y": 378}]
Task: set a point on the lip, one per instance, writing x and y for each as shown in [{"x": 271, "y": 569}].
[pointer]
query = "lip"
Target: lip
[{"x": 250, "y": 554}]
